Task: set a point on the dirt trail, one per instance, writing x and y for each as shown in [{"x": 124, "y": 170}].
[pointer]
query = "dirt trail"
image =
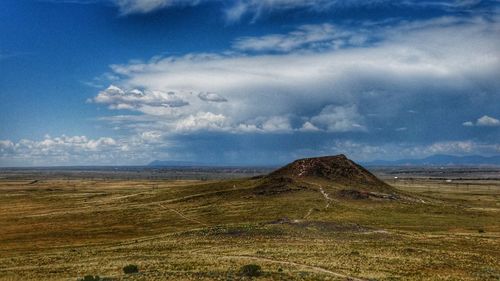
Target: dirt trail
[
  {"x": 183, "y": 216},
  {"x": 304, "y": 266},
  {"x": 327, "y": 197}
]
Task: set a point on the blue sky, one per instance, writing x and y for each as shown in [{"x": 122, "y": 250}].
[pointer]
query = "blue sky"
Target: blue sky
[{"x": 124, "y": 82}]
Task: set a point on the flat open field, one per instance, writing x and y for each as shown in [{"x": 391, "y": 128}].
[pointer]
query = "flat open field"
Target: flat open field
[{"x": 63, "y": 229}]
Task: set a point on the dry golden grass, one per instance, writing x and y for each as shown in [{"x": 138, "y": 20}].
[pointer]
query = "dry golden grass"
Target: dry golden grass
[{"x": 194, "y": 230}]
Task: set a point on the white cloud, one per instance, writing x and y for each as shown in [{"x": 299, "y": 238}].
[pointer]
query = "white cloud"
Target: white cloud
[
  {"x": 485, "y": 121},
  {"x": 309, "y": 89},
  {"x": 276, "y": 124},
  {"x": 299, "y": 84},
  {"x": 81, "y": 150},
  {"x": 6, "y": 146},
  {"x": 309, "y": 127},
  {"x": 176, "y": 119},
  {"x": 338, "y": 119},
  {"x": 152, "y": 136},
  {"x": 116, "y": 98},
  {"x": 61, "y": 148},
  {"x": 201, "y": 121}
]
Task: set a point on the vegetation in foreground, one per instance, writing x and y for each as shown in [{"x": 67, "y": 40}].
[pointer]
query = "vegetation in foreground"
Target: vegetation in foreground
[{"x": 191, "y": 230}]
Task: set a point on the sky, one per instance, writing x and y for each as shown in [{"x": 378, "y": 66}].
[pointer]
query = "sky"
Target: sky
[{"x": 246, "y": 82}]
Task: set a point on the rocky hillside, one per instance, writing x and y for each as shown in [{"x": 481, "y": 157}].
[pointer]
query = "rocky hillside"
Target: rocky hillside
[{"x": 337, "y": 170}]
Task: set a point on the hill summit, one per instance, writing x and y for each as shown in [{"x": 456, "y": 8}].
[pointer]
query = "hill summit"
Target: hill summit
[{"x": 337, "y": 170}]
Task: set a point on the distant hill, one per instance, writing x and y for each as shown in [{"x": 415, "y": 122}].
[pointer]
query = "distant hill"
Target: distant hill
[{"x": 441, "y": 160}]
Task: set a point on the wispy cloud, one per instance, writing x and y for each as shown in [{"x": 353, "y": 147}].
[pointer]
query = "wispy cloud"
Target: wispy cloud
[
  {"x": 257, "y": 7},
  {"x": 146, "y": 6},
  {"x": 234, "y": 11},
  {"x": 310, "y": 37}
]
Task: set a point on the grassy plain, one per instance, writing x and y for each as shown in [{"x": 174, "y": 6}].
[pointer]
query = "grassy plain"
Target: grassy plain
[{"x": 60, "y": 229}]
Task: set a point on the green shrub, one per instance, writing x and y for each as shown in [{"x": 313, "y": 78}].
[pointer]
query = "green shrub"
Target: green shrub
[
  {"x": 131, "y": 268},
  {"x": 251, "y": 270}
]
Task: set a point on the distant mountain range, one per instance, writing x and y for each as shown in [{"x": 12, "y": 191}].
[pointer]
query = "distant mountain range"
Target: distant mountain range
[{"x": 441, "y": 160}]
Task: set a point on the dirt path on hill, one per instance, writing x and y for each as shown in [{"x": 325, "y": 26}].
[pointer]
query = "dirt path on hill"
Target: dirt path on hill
[
  {"x": 304, "y": 266},
  {"x": 327, "y": 197}
]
